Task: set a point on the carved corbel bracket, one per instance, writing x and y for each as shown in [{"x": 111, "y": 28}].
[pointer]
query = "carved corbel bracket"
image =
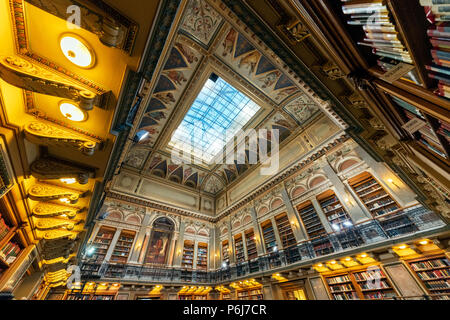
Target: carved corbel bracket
[
  {"x": 357, "y": 101},
  {"x": 58, "y": 260},
  {"x": 56, "y": 234},
  {"x": 296, "y": 31},
  {"x": 48, "y": 209},
  {"x": 46, "y": 134},
  {"x": 54, "y": 223},
  {"x": 360, "y": 79},
  {"x": 51, "y": 168},
  {"x": 23, "y": 74},
  {"x": 332, "y": 71},
  {"x": 47, "y": 192}
]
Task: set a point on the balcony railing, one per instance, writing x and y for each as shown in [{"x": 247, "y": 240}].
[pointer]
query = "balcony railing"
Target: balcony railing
[{"x": 389, "y": 226}]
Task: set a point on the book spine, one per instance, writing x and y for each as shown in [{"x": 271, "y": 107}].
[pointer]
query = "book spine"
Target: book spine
[
  {"x": 440, "y": 9},
  {"x": 438, "y": 34},
  {"x": 433, "y": 2}
]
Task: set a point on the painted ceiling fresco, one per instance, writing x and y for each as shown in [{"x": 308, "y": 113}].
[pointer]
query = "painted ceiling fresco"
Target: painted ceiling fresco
[{"x": 208, "y": 36}]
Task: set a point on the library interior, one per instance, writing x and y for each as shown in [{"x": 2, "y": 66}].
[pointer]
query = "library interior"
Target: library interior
[{"x": 225, "y": 150}]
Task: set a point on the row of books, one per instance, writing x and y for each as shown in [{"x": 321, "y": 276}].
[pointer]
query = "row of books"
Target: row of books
[
  {"x": 345, "y": 296},
  {"x": 435, "y": 274},
  {"x": 4, "y": 228},
  {"x": 430, "y": 264},
  {"x": 380, "y": 284},
  {"x": 338, "y": 279},
  {"x": 10, "y": 252},
  {"x": 380, "y": 33},
  {"x": 341, "y": 287},
  {"x": 369, "y": 275},
  {"x": 379, "y": 295},
  {"x": 438, "y": 14},
  {"x": 439, "y": 284}
]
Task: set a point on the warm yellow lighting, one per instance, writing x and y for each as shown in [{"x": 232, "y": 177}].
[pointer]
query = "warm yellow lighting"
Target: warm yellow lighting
[
  {"x": 333, "y": 262},
  {"x": 348, "y": 259},
  {"x": 363, "y": 255},
  {"x": 115, "y": 284},
  {"x": 320, "y": 265},
  {"x": 72, "y": 112},
  {"x": 68, "y": 180},
  {"x": 390, "y": 180},
  {"x": 403, "y": 246},
  {"x": 77, "y": 51},
  {"x": 423, "y": 242},
  {"x": 65, "y": 200}
]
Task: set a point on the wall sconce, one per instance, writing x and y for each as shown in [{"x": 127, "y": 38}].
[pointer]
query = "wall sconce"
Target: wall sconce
[
  {"x": 77, "y": 50},
  {"x": 392, "y": 182},
  {"x": 71, "y": 111}
]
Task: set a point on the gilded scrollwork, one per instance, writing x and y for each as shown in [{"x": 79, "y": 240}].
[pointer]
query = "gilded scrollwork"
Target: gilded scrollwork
[
  {"x": 332, "y": 71},
  {"x": 43, "y": 133},
  {"x": 48, "y": 209},
  {"x": 56, "y": 234},
  {"x": 26, "y": 75},
  {"x": 50, "y": 168},
  {"x": 47, "y": 192},
  {"x": 53, "y": 223}
]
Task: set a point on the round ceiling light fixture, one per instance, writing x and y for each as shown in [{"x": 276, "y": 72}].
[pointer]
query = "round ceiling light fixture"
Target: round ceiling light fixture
[
  {"x": 72, "y": 111},
  {"x": 77, "y": 50}
]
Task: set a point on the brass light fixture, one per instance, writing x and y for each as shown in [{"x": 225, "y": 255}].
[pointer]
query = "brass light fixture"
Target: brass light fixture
[{"x": 71, "y": 111}]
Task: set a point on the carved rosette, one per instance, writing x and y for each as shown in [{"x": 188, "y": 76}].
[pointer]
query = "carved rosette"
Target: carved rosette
[
  {"x": 296, "y": 31},
  {"x": 43, "y": 133},
  {"x": 26, "y": 75},
  {"x": 332, "y": 71},
  {"x": 47, "y": 209},
  {"x": 49, "y": 168},
  {"x": 46, "y": 192}
]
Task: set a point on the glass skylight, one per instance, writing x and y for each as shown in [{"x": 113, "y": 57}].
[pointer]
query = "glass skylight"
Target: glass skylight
[{"x": 218, "y": 112}]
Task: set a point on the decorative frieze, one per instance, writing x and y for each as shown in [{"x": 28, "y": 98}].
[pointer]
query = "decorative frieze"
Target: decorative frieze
[{"x": 47, "y": 192}]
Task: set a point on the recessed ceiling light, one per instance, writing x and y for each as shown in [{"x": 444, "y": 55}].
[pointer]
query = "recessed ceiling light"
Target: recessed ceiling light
[
  {"x": 423, "y": 242},
  {"x": 76, "y": 50},
  {"x": 72, "y": 112}
]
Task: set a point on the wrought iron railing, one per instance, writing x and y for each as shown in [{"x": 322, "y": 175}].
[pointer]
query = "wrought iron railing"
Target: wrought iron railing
[{"x": 390, "y": 226}]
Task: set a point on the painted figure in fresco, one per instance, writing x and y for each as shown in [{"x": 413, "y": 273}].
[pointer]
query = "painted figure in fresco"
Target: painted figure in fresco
[
  {"x": 270, "y": 79},
  {"x": 165, "y": 97},
  {"x": 285, "y": 92},
  {"x": 186, "y": 52},
  {"x": 176, "y": 76},
  {"x": 158, "y": 115},
  {"x": 158, "y": 247},
  {"x": 250, "y": 61},
  {"x": 228, "y": 43}
]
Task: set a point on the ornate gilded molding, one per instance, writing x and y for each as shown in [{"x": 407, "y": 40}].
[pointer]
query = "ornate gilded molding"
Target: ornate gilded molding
[
  {"x": 56, "y": 234},
  {"x": 51, "y": 168},
  {"x": 57, "y": 260},
  {"x": 43, "y": 133},
  {"x": 47, "y": 192},
  {"x": 53, "y": 223},
  {"x": 26, "y": 75},
  {"x": 332, "y": 71},
  {"x": 48, "y": 209},
  {"x": 357, "y": 101},
  {"x": 295, "y": 31}
]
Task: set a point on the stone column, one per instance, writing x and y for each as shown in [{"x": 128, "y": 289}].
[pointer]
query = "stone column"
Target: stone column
[
  {"x": 113, "y": 244},
  {"x": 145, "y": 244},
  {"x": 358, "y": 200},
  {"x": 139, "y": 242},
  {"x": 244, "y": 245},
  {"x": 172, "y": 253},
  {"x": 355, "y": 212},
  {"x": 180, "y": 245},
  {"x": 321, "y": 215},
  {"x": 257, "y": 232},
  {"x": 299, "y": 232},
  {"x": 277, "y": 235},
  {"x": 231, "y": 245},
  {"x": 194, "y": 265}
]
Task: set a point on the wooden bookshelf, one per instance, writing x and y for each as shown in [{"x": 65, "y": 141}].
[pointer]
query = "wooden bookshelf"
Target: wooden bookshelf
[
  {"x": 75, "y": 296},
  {"x": 225, "y": 252},
  {"x": 123, "y": 246},
  {"x": 101, "y": 242},
  {"x": 250, "y": 242},
  {"x": 269, "y": 236},
  {"x": 239, "y": 247},
  {"x": 334, "y": 211},
  {"x": 188, "y": 254},
  {"x": 434, "y": 274},
  {"x": 225, "y": 296},
  {"x": 372, "y": 194},
  {"x": 250, "y": 294},
  {"x": 192, "y": 296},
  {"x": 359, "y": 284},
  {"x": 202, "y": 256},
  {"x": 285, "y": 230}
]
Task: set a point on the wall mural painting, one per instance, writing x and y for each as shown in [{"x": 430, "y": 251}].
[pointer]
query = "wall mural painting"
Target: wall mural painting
[
  {"x": 246, "y": 60},
  {"x": 201, "y": 21},
  {"x": 136, "y": 157},
  {"x": 158, "y": 246},
  {"x": 178, "y": 69},
  {"x": 302, "y": 109}
]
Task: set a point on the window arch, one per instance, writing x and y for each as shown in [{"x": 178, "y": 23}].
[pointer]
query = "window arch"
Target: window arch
[{"x": 160, "y": 238}]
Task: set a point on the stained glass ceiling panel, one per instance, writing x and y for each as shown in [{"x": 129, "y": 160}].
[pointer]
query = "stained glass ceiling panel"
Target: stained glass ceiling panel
[{"x": 218, "y": 113}]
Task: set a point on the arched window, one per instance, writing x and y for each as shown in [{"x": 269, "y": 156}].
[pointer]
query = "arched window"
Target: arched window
[{"x": 158, "y": 246}]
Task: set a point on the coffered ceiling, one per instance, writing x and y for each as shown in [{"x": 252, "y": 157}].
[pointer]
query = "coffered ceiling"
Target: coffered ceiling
[{"x": 209, "y": 39}]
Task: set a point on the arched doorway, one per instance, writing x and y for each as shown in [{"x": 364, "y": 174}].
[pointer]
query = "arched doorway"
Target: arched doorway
[{"x": 158, "y": 246}]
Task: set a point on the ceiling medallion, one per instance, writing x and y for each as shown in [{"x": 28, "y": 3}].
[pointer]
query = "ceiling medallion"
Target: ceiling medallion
[{"x": 77, "y": 50}]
